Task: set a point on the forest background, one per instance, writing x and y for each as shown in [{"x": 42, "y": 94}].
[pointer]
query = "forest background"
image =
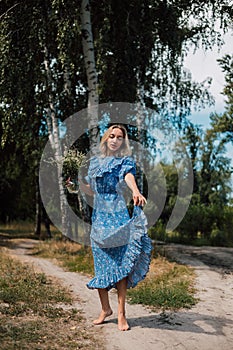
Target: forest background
[{"x": 59, "y": 57}]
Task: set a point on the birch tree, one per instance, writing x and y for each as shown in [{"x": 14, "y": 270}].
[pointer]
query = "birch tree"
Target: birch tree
[
  {"x": 54, "y": 138},
  {"x": 91, "y": 73}
]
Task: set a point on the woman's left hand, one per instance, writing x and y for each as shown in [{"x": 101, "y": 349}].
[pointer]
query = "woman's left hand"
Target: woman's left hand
[{"x": 139, "y": 199}]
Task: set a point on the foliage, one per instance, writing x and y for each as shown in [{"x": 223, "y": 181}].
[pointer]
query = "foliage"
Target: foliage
[
  {"x": 223, "y": 123},
  {"x": 72, "y": 162},
  {"x": 158, "y": 231},
  {"x": 211, "y": 190},
  {"x": 218, "y": 237},
  {"x": 139, "y": 49}
]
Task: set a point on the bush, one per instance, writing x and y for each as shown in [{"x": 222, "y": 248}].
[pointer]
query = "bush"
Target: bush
[
  {"x": 158, "y": 231},
  {"x": 218, "y": 237}
]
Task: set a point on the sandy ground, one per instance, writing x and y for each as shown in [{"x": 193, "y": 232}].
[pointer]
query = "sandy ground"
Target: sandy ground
[{"x": 207, "y": 326}]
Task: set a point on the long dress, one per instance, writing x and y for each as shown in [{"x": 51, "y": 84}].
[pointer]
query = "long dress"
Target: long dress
[{"x": 120, "y": 243}]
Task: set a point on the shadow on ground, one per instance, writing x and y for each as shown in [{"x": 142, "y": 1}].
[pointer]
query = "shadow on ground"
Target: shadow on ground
[{"x": 182, "y": 322}]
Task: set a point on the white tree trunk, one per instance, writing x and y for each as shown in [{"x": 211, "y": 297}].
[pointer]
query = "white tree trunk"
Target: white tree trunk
[
  {"x": 54, "y": 138},
  {"x": 140, "y": 119},
  {"x": 92, "y": 79}
]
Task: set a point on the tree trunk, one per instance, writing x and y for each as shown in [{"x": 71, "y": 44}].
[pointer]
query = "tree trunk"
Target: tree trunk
[
  {"x": 93, "y": 96},
  {"x": 37, "y": 230},
  {"x": 140, "y": 118},
  {"x": 53, "y": 129},
  {"x": 92, "y": 79},
  {"x": 46, "y": 221}
]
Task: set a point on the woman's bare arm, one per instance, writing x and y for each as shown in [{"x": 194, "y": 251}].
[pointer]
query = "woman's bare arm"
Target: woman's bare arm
[
  {"x": 138, "y": 198},
  {"x": 86, "y": 188}
]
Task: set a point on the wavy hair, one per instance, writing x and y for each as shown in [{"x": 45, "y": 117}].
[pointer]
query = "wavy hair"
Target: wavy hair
[{"x": 124, "y": 150}]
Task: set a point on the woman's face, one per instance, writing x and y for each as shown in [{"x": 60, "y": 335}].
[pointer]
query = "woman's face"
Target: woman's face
[{"x": 114, "y": 141}]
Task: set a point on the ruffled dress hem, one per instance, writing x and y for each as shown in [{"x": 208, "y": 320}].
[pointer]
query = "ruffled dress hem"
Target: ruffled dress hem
[
  {"x": 136, "y": 261},
  {"x": 138, "y": 266}
]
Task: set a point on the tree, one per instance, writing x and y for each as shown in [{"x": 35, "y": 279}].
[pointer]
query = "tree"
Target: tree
[
  {"x": 144, "y": 42},
  {"x": 211, "y": 190},
  {"x": 35, "y": 33},
  {"x": 224, "y": 123},
  {"x": 136, "y": 43},
  {"x": 92, "y": 80},
  {"x": 215, "y": 171}
]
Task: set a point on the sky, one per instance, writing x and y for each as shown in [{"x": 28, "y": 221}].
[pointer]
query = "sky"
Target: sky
[{"x": 204, "y": 64}]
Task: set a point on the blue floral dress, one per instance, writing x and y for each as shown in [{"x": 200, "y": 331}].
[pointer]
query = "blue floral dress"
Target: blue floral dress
[{"x": 120, "y": 244}]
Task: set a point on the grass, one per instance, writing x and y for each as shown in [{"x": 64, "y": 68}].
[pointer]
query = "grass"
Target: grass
[
  {"x": 17, "y": 230},
  {"x": 22, "y": 229},
  {"x": 20, "y": 286},
  {"x": 37, "y": 313},
  {"x": 70, "y": 255},
  {"x": 168, "y": 285}
]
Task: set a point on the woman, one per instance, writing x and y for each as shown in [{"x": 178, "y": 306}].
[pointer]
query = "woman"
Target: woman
[{"x": 120, "y": 244}]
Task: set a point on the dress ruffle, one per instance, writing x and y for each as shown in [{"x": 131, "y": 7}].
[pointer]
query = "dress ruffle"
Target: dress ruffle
[
  {"x": 136, "y": 258},
  {"x": 100, "y": 166},
  {"x": 125, "y": 233}
]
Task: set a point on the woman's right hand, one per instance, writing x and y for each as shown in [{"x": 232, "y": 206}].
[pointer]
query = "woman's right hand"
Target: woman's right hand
[
  {"x": 69, "y": 182},
  {"x": 71, "y": 186}
]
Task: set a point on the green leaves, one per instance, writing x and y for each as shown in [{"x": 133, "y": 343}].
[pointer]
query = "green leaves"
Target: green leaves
[
  {"x": 139, "y": 46},
  {"x": 72, "y": 163}
]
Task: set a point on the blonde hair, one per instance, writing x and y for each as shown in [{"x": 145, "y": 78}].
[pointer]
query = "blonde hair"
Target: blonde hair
[{"x": 124, "y": 150}]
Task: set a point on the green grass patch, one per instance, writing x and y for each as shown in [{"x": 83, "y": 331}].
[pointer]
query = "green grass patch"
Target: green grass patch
[
  {"x": 170, "y": 287},
  {"x": 20, "y": 286},
  {"x": 17, "y": 227},
  {"x": 37, "y": 313},
  {"x": 40, "y": 333},
  {"x": 71, "y": 255}
]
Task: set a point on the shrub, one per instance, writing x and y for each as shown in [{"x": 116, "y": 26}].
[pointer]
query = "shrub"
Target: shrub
[{"x": 218, "y": 237}]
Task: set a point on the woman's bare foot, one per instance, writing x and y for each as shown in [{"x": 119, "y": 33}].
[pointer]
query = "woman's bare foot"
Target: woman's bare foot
[
  {"x": 122, "y": 323},
  {"x": 102, "y": 317}
]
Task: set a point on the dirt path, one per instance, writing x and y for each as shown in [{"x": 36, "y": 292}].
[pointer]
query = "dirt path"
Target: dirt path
[{"x": 207, "y": 326}]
